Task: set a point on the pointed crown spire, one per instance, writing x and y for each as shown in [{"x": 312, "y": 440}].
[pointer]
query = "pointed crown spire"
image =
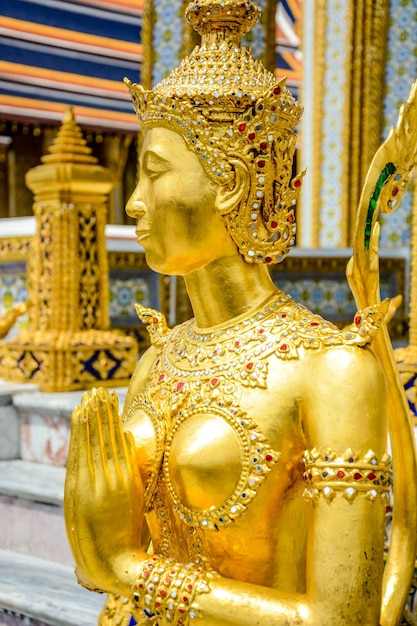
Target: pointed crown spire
[{"x": 69, "y": 145}]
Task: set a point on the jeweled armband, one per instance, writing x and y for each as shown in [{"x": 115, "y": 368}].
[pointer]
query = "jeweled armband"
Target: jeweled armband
[
  {"x": 166, "y": 589},
  {"x": 328, "y": 474}
]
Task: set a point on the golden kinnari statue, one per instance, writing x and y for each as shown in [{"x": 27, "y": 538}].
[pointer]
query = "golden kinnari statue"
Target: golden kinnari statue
[{"x": 248, "y": 480}]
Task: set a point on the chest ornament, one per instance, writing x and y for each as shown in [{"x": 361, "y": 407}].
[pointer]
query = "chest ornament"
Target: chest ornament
[
  {"x": 257, "y": 460},
  {"x": 239, "y": 350}
]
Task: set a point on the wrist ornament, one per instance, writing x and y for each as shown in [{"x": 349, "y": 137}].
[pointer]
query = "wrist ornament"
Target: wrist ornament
[{"x": 168, "y": 590}]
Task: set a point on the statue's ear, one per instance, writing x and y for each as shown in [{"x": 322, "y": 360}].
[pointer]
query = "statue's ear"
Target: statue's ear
[{"x": 230, "y": 195}]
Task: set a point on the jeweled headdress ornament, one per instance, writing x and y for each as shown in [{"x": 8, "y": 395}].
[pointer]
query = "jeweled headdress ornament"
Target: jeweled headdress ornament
[{"x": 227, "y": 106}]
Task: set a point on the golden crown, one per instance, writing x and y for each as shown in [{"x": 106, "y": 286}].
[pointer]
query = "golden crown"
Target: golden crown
[{"x": 225, "y": 104}]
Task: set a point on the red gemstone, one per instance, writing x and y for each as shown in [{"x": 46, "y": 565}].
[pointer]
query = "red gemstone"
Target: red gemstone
[
  {"x": 268, "y": 259},
  {"x": 274, "y": 224},
  {"x": 242, "y": 127},
  {"x": 252, "y": 136},
  {"x": 273, "y": 108},
  {"x": 291, "y": 219},
  {"x": 168, "y": 581},
  {"x": 261, "y": 163},
  {"x": 140, "y": 585},
  {"x": 157, "y": 603},
  {"x": 189, "y": 587},
  {"x": 283, "y": 315},
  {"x": 237, "y": 343},
  {"x": 269, "y": 458},
  {"x": 249, "y": 366},
  {"x": 358, "y": 320},
  {"x": 297, "y": 183},
  {"x": 357, "y": 476},
  {"x": 146, "y": 573},
  {"x": 283, "y": 347},
  {"x": 340, "y": 474},
  {"x": 161, "y": 376},
  {"x": 395, "y": 191},
  {"x": 181, "y": 610},
  {"x": 162, "y": 592},
  {"x": 277, "y": 90},
  {"x": 180, "y": 386},
  {"x": 214, "y": 382},
  {"x": 155, "y": 320},
  {"x": 185, "y": 599},
  {"x": 261, "y": 331},
  {"x": 314, "y": 324},
  {"x": 263, "y": 145},
  {"x": 371, "y": 476}
]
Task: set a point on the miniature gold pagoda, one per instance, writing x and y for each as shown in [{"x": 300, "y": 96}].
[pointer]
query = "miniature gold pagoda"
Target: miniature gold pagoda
[{"x": 68, "y": 344}]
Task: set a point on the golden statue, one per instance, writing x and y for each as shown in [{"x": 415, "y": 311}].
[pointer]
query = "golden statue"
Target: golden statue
[{"x": 248, "y": 479}]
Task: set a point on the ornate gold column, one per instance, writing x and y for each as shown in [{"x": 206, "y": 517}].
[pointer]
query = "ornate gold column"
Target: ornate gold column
[{"x": 67, "y": 344}]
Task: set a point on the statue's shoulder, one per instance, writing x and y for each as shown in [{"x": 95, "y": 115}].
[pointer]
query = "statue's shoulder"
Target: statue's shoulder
[{"x": 295, "y": 328}]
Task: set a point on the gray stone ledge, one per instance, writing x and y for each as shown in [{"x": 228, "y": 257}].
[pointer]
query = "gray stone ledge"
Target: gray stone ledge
[
  {"x": 32, "y": 481},
  {"x": 45, "y": 591}
]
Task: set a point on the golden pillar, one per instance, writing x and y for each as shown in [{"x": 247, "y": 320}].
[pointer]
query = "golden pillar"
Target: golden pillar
[
  {"x": 343, "y": 88},
  {"x": 68, "y": 344},
  {"x": 407, "y": 357}
]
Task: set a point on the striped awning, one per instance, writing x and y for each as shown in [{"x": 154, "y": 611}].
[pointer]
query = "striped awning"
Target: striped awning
[
  {"x": 55, "y": 53},
  {"x": 288, "y": 53}
]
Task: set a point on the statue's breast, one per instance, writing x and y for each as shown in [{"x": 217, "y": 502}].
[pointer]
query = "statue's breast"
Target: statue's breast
[
  {"x": 215, "y": 460},
  {"x": 204, "y": 462}
]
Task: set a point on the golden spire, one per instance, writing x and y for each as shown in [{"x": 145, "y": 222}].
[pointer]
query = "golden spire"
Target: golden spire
[{"x": 69, "y": 145}]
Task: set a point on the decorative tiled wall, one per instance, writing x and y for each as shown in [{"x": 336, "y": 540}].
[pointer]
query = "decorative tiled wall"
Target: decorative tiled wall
[
  {"x": 13, "y": 290},
  {"x": 401, "y": 72}
]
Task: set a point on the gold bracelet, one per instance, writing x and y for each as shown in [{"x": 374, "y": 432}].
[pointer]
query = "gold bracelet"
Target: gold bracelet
[{"x": 166, "y": 589}]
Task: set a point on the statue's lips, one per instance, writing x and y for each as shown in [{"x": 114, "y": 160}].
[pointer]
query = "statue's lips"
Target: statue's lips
[{"x": 141, "y": 235}]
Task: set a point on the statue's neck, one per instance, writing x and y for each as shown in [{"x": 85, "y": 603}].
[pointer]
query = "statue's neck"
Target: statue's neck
[{"x": 226, "y": 288}]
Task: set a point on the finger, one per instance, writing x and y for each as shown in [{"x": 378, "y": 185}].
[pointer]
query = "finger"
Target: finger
[
  {"x": 72, "y": 485},
  {"x": 97, "y": 456},
  {"x": 113, "y": 437},
  {"x": 105, "y": 429},
  {"x": 72, "y": 453},
  {"x": 71, "y": 473}
]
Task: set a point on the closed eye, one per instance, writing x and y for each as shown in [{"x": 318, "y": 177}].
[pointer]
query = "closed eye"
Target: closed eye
[{"x": 154, "y": 165}]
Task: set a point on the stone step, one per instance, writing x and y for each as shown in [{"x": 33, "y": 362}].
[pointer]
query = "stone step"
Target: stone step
[
  {"x": 44, "y": 420},
  {"x": 38, "y": 592},
  {"x": 31, "y": 510}
]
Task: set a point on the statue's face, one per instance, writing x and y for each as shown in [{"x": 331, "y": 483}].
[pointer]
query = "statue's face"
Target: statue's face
[{"x": 174, "y": 205}]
